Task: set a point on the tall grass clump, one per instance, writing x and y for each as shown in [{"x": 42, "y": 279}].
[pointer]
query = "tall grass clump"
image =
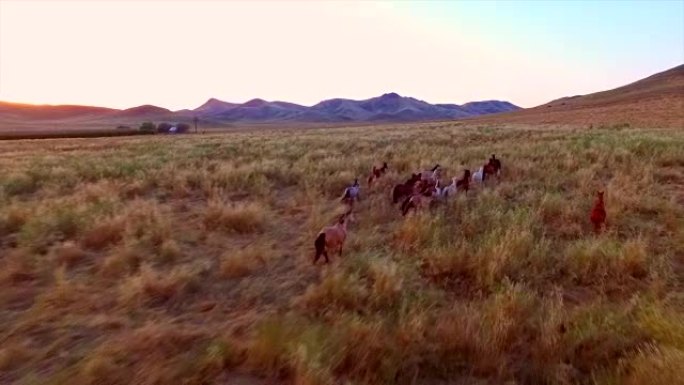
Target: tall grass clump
[{"x": 239, "y": 217}]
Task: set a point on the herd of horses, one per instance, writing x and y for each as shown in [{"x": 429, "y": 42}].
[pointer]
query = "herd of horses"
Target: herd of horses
[{"x": 420, "y": 191}]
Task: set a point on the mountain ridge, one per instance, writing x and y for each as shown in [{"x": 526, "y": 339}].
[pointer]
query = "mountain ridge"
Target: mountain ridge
[{"x": 389, "y": 107}]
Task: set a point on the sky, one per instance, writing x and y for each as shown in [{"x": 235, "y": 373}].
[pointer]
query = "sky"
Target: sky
[{"x": 177, "y": 54}]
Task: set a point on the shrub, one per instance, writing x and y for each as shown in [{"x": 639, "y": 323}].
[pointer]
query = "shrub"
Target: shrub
[
  {"x": 12, "y": 220},
  {"x": 121, "y": 262},
  {"x": 148, "y": 127},
  {"x": 164, "y": 127},
  {"x": 103, "y": 234},
  {"x": 21, "y": 184},
  {"x": 69, "y": 254},
  {"x": 182, "y": 127},
  {"x": 169, "y": 251}
]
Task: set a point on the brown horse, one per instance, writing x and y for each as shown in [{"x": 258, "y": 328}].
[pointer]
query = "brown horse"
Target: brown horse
[
  {"x": 377, "y": 172},
  {"x": 332, "y": 237},
  {"x": 422, "y": 196},
  {"x": 598, "y": 213},
  {"x": 496, "y": 163},
  {"x": 405, "y": 189},
  {"x": 464, "y": 182}
]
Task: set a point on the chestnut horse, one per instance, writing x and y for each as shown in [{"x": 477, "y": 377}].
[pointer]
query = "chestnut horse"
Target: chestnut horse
[
  {"x": 332, "y": 237},
  {"x": 422, "y": 197},
  {"x": 598, "y": 213},
  {"x": 376, "y": 173},
  {"x": 405, "y": 189}
]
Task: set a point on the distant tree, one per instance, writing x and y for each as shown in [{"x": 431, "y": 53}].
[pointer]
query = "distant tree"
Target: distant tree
[
  {"x": 164, "y": 127},
  {"x": 182, "y": 127},
  {"x": 122, "y": 127},
  {"x": 148, "y": 127}
]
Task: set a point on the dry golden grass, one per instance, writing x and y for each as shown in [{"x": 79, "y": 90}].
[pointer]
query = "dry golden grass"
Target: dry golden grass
[
  {"x": 187, "y": 260},
  {"x": 240, "y": 218},
  {"x": 239, "y": 263}
]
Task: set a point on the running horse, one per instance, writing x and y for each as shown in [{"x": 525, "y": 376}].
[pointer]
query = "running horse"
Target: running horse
[{"x": 376, "y": 173}]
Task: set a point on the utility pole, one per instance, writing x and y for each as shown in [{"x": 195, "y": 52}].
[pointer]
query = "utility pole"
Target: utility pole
[{"x": 195, "y": 120}]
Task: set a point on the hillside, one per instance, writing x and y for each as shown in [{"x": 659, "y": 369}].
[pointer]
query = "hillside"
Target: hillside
[{"x": 656, "y": 101}]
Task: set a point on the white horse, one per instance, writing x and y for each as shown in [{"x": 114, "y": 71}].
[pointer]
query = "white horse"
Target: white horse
[
  {"x": 478, "y": 176},
  {"x": 351, "y": 193},
  {"x": 451, "y": 189},
  {"x": 433, "y": 175}
]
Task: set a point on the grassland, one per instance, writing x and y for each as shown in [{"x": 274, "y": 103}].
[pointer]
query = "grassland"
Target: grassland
[{"x": 187, "y": 260}]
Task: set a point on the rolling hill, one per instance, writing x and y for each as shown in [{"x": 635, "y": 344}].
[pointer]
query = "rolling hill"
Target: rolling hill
[{"x": 655, "y": 101}]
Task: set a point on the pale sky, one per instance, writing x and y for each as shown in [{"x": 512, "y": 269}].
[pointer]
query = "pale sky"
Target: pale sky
[{"x": 177, "y": 54}]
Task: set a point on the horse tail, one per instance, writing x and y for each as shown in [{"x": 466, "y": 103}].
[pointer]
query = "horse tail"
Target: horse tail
[
  {"x": 405, "y": 206},
  {"x": 320, "y": 245},
  {"x": 395, "y": 194}
]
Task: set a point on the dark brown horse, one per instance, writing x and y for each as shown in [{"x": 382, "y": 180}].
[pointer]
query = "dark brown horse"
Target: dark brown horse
[
  {"x": 464, "y": 182},
  {"x": 405, "y": 189},
  {"x": 421, "y": 197},
  {"x": 496, "y": 163}
]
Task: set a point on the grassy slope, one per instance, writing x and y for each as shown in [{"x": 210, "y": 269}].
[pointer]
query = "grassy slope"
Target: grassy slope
[
  {"x": 188, "y": 260},
  {"x": 655, "y": 101}
]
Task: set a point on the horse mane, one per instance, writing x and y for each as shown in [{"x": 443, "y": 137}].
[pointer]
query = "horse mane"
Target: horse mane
[{"x": 435, "y": 168}]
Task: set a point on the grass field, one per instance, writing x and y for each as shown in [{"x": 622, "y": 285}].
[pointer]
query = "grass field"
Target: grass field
[{"x": 187, "y": 260}]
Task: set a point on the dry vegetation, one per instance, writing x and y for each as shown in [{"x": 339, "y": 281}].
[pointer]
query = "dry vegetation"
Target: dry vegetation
[{"x": 187, "y": 260}]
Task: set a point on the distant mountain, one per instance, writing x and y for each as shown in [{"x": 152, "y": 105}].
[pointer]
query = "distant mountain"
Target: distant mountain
[
  {"x": 49, "y": 112},
  {"x": 145, "y": 111},
  {"x": 655, "y": 101},
  {"x": 213, "y": 106},
  {"x": 489, "y": 107},
  {"x": 390, "y": 107}
]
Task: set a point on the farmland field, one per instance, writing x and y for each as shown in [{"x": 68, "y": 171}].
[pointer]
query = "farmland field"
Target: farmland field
[{"x": 188, "y": 259}]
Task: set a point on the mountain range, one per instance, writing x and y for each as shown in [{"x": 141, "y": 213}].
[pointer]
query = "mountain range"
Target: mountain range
[
  {"x": 390, "y": 107},
  {"x": 655, "y": 101}
]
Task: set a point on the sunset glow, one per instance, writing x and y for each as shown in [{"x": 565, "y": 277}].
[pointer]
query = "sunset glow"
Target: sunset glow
[{"x": 177, "y": 54}]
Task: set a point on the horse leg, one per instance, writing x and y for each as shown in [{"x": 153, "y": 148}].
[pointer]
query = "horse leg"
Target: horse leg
[{"x": 325, "y": 254}]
